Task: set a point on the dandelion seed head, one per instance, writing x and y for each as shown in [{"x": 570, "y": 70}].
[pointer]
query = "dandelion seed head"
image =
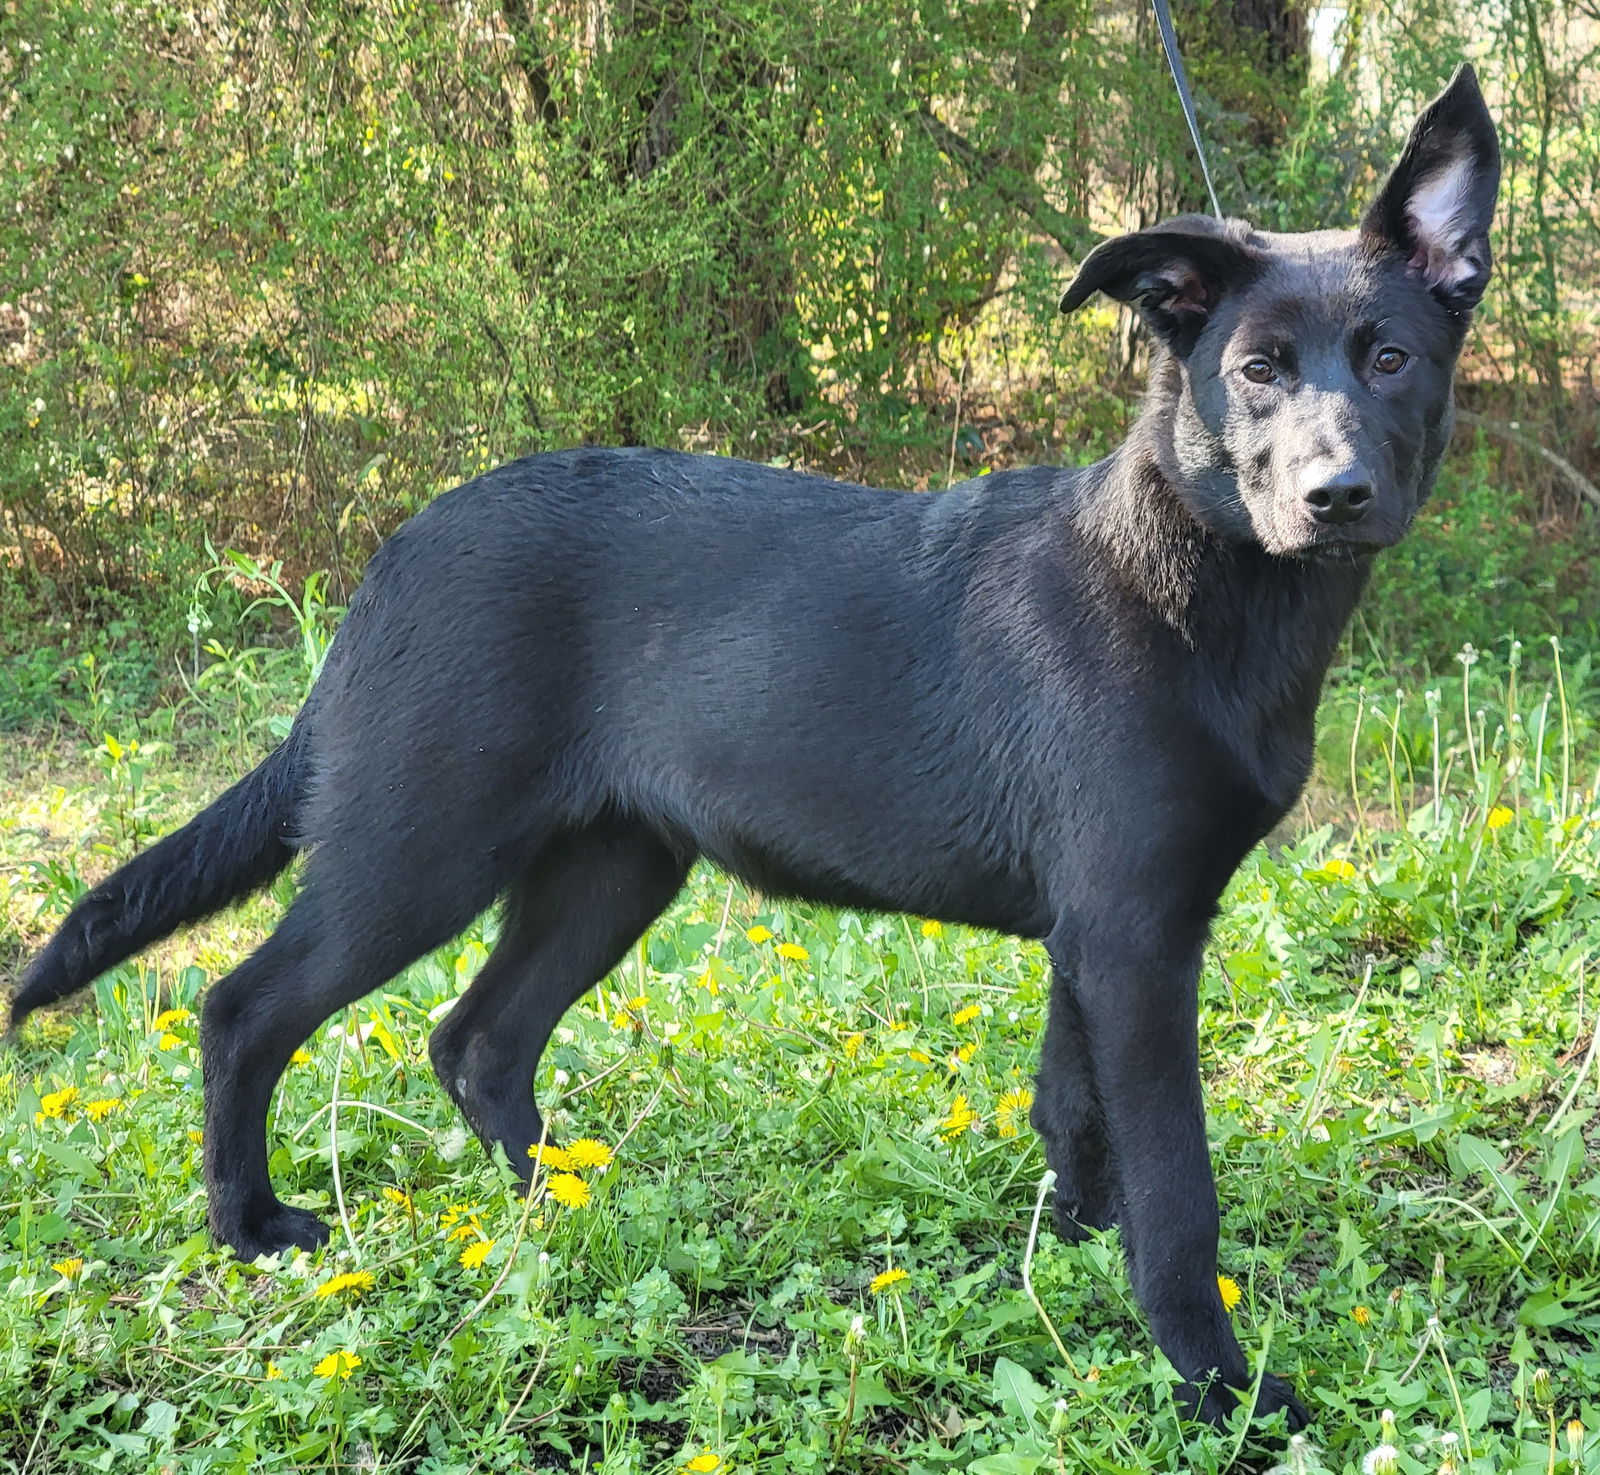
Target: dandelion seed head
[{"x": 1384, "y": 1460}]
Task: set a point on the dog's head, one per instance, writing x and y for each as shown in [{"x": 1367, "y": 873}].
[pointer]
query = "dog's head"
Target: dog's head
[{"x": 1308, "y": 377}]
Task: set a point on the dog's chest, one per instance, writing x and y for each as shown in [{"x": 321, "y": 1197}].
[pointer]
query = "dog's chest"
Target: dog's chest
[{"x": 1262, "y": 724}]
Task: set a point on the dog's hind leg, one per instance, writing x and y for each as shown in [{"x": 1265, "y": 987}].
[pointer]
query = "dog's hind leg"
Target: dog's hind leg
[
  {"x": 1069, "y": 1116},
  {"x": 568, "y": 922},
  {"x": 348, "y": 931}
]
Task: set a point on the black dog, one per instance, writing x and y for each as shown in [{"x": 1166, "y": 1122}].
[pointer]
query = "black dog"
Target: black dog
[{"x": 1059, "y": 704}]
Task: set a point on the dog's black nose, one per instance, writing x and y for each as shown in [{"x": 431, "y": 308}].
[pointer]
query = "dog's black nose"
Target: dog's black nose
[{"x": 1341, "y": 499}]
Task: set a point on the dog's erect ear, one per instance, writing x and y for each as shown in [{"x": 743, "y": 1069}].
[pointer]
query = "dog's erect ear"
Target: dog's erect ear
[
  {"x": 1177, "y": 272},
  {"x": 1437, "y": 203}
]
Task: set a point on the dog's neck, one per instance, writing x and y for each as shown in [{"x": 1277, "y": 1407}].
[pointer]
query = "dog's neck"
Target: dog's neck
[{"x": 1218, "y": 596}]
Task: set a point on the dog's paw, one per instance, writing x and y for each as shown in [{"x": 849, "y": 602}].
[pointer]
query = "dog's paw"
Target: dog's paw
[
  {"x": 1217, "y": 1403},
  {"x": 281, "y": 1229}
]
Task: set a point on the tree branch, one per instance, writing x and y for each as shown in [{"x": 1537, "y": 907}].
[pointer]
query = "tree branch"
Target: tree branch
[
  {"x": 1569, "y": 473},
  {"x": 1018, "y": 190}
]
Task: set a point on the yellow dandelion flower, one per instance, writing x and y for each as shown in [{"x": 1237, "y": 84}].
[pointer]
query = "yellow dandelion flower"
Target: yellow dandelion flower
[
  {"x": 1339, "y": 869},
  {"x": 920, "y": 1056},
  {"x": 853, "y": 1044},
  {"x": 473, "y": 1256},
  {"x": 466, "y": 1231},
  {"x": 196, "y": 1136},
  {"x": 759, "y": 935},
  {"x": 794, "y": 952},
  {"x": 69, "y": 1269},
  {"x": 961, "y": 1056},
  {"x": 337, "y": 1365},
  {"x": 898, "y": 1024},
  {"x": 1361, "y": 1315},
  {"x": 1014, "y": 1104},
  {"x": 551, "y": 1156},
  {"x": 1575, "y": 1433},
  {"x": 704, "y": 1464},
  {"x": 1499, "y": 817},
  {"x": 931, "y": 928},
  {"x": 629, "y": 1013},
  {"x": 708, "y": 980},
  {"x": 352, "y": 1283},
  {"x": 967, "y": 1015},
  {"x": 589, "y": 1152},
  {"x": 1230, "y": 1292},
  {"x": 56, "y": 1104},
  {"x": 274, "y": 1372},
  {"x": 569, "y": 1190},
  {"x": 395, "y": 1196},
  {"x": 962, "y": 1118},
  {"x": 300, "y": 1057},
  {"x": 169, "y": 1041},
  {"x": 169, "y": 1017},
  {"x": 881, "y": 1283},
  {"x": 98, "y": 1111}
]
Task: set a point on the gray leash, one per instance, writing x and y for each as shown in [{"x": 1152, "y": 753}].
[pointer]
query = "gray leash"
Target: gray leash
[{"x": 1169, "y": 40}]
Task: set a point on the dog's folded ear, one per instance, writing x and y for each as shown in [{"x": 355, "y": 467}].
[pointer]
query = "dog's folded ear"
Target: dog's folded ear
[
  {"x": 1437, "y": 203},
  {"x": 1177, "y": 272}
]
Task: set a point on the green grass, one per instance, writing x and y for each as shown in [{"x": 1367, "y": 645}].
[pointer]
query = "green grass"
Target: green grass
[{"x": 1398, "y": 1028}]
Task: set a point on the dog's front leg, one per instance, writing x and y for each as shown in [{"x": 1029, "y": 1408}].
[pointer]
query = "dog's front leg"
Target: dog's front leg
[
  {"x": 1137, "y": 993},
  {"x": 1068, "y": 1115}
]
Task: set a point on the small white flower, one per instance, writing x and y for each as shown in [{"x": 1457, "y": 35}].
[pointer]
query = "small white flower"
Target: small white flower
[{"x": 1384, "y": 1460}]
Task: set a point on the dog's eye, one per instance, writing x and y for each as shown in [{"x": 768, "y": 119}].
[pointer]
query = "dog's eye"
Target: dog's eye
[
  {"x": 1390, "y": 360},
  {"x": 1259, "y": 371}
]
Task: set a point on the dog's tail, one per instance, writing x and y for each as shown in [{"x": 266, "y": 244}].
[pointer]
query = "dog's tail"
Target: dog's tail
[{"x": 231, "y": 848}]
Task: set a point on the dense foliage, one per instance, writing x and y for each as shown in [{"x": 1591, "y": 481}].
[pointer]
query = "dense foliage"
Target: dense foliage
[{"x": 278, "y": 275}]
